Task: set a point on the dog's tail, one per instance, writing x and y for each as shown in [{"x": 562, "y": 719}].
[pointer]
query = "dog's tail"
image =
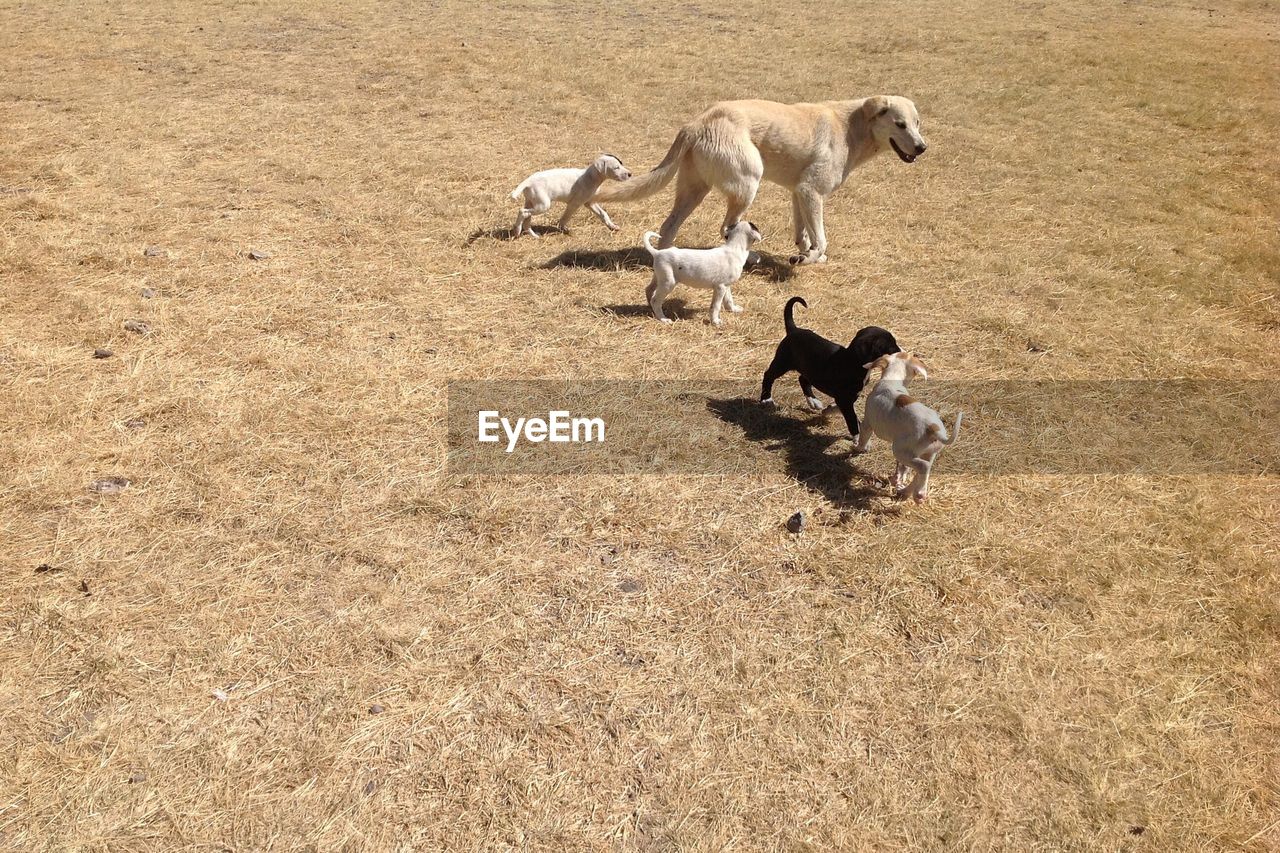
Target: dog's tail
[
  {"x": 938, "y": 431},
  {"x": 519, "y": 191},
  {"x": 648, "y": 244},
  {"x": 787, "y": 316},
  {"x": 655, "y": 179}
]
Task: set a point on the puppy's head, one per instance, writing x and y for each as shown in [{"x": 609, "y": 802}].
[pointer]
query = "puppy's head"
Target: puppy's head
[
  {"x": 899, "y": 365},
  {"x": 895, "y": 123},
  {"x": 745, "y": 229},
  {"x": 611, "y": 167},
  {"x": 872, "y": 342}
]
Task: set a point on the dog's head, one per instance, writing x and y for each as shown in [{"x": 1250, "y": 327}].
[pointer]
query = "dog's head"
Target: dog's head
[
  {"x": 899, "y": 365},
  {"x": 745, "y": 229},
  {"x": 895, "y": 123},
  {"x": 611, "y": 167},
  {"x": 870, "y": 344}
]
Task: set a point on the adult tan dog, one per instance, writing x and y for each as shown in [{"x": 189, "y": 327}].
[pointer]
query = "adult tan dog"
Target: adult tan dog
[{"x": 808, "y": 148}]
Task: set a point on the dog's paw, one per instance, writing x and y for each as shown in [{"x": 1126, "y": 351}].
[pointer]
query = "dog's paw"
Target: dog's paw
[
  {"x": 814, "y": 403},
  {"x": 666, "y": 320},
  {"x": 613, "y": 227},
  {"x": 717, "y": 322},
  {"x": 737, "y": 309},
  {"x": 768, "y": 403},
  {"x": 796, "y": 260}
]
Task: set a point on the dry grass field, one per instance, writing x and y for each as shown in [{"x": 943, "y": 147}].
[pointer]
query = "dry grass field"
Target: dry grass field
[{"x": 406, "y": 658}]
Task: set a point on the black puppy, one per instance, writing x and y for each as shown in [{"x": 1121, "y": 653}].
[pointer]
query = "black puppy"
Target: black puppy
[{"x": 832, "y": 369}]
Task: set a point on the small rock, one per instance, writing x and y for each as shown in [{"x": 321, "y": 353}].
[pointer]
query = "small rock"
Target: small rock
[
  {"x": 376, "y": 709},
  {"x": 136, "y": 777},
  {"x": 370, "y": 787},
  {"x": 256, "y": 255},
  {"x": 631, "y": 585},
  {"x": 1036, "y": 346},
  {"x": 109, "y": 485},
  {"x": 155, "y": 252},
  {"x": 795, "y": 523},
  {"x": 138, "y": 327},
  {"x": 135, "y": 423},
  {"x": 1137, "y": 830},
  {"x": 148, "y": 293},
  {"x": 102, "y": 353},
  {"x": 84, "y": 587},
  {"x": 44, "y": 568},
  {"x": 219, "y": 694}
]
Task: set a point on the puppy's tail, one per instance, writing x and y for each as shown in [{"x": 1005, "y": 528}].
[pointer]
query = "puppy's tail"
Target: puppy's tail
[
  {"x": 648, "y": 244},
  {"x": 787, "y": 316},
  {"x": 655, "y": 179},
  {"x": 519, "y": 191},
  {"x": 938, "y": 430}
]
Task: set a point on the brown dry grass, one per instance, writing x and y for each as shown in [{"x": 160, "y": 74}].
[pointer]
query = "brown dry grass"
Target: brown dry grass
[{"x": 1056, "y": 663}]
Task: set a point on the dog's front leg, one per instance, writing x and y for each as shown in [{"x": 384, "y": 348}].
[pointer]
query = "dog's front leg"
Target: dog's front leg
[
  {"x": 810, "y": 204},
  {"x": 604, "y": 217},
  {"x": 570, "y": 209},
  {"x": 716, "y": 302},
  {"x": 845, "y": 405},
  {"x": 797, "y": 222}
]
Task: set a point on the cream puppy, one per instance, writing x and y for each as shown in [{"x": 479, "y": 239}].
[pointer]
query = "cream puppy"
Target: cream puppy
[
  {"x": 716, "y": 268},
  {"x": 575, "y": 187},
  {"x": 915, "y": 430}
]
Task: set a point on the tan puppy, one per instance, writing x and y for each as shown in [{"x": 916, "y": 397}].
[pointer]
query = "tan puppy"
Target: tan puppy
[{"x": 808, "y": 148}]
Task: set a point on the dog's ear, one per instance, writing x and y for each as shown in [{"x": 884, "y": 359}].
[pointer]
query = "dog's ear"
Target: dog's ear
[
  {"x": 882, "y": 362},
  {"x": 875, "y": 106},
  {"x": 917, "y": 366}
]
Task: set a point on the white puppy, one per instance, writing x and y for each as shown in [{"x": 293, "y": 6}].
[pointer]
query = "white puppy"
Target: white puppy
[
  {"x": 915, "y": 430},
  {"x": 575, "y": 187},
  {"x": 716, "y": 268}
]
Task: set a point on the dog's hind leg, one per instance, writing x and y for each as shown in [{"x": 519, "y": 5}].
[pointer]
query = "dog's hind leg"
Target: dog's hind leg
[
  {"x": 810, "y": 397},
  {"x": 691, "y": 189},
  {"x": 919, "y": 487},
  {"x": 604, "y": 217},
  {"x": 781, "y": 364},
  {"x": 657, "y": 291},
  {"x": 534, "y": 205}
]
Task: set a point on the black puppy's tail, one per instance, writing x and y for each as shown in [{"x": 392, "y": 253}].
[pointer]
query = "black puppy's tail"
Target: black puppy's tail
[{"x": 787, "y": 312}]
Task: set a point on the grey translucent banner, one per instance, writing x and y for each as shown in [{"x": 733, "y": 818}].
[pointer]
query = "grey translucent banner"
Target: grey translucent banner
[{"x": 1150, "y": 427}]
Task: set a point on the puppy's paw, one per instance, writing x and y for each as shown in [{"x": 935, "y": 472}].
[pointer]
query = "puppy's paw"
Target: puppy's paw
[
  {"x": 613, "y": 227},
  {"x": 737, "y": 309},
  {"x": 814, "y": 403},
  {"x": 796, "y": 260},
  {"x": 717, "y": 322},
  {"x": 534, "y": 234},
  {"x": 768, "y": 403},
  {"x": 666, "y": 320}
]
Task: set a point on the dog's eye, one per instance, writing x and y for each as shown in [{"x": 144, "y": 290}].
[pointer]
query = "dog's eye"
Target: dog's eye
[{"x": 900, "y": 123}]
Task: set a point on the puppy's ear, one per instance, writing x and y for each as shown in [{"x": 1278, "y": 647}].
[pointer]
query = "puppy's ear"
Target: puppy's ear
[
  {"x": 882, "y": 362},
  {"x": 917, "y": 366}
]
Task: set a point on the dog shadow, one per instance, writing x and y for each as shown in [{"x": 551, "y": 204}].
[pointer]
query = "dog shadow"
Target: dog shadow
[
  {"x": 805, "y": 449},
  {"x": 678, "y": 309},
  {"x": 507, "y": 233},
  {"x": 609, "y": 260},
  {"x": 772, "y": 268}
]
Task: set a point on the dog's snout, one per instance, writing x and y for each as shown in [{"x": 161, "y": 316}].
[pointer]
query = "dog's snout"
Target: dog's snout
[{"x": 921, "y": 147}]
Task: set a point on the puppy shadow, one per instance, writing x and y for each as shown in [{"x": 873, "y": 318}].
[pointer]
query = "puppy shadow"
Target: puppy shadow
[
  {"x": 805, "y": 448},
  {"x": 678, "y": 309},
  {"x": 610, "y": 260},
  {"x": 507, "y": 233},
  {"x": 771, "y": 268}
]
